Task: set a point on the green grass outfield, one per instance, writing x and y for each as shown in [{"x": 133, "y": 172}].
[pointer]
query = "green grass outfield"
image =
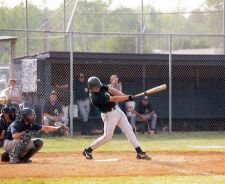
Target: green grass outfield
[
  {"x": 180, "y": 142},
  {"x": 158, "y": 142}
]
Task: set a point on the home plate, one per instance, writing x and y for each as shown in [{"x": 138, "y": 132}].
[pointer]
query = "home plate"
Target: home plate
[{"x": 107, "y": 160}]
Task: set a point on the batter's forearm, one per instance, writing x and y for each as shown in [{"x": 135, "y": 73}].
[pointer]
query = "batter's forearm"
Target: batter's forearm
[
  {"x": 115, "y": 92},
  {"x": 119, "y": 98}
]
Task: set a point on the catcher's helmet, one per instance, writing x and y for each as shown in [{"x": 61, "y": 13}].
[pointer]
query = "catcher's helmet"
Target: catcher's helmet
[
  {"x": 25, "y": 115},
  {"x": 94, "y": 82},
  {"x": 26, "y": 111}
]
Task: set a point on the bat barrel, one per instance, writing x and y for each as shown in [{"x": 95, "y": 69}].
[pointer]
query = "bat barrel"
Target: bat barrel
[{"x": 152, "y": 90}]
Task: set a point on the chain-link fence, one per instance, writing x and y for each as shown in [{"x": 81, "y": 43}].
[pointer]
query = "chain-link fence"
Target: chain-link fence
[{"x": 192, "y": 66}]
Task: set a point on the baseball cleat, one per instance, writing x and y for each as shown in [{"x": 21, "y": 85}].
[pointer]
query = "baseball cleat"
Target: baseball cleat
[
  {"x": 14, "y": 161},
  {"x": 28, "y": 161},
  {"x": 87, "y": 154},
  {"x": 143, "y": 156}
]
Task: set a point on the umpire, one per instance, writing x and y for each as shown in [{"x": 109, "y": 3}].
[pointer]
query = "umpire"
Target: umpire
[
  {"x": 8, "y": 115},
  {"x": 18, "y": 143}
]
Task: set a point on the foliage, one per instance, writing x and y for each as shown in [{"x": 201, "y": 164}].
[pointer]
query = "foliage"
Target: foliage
[{"x": 85, "y": 21}]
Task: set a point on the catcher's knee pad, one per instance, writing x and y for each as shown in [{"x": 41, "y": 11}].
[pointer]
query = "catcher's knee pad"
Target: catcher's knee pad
[
  {"x": 38, "y": 143},
  {"x": 20, "y": 147}
]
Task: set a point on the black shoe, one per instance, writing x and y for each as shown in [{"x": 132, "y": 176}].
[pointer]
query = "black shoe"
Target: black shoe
[
  {"x": 143, "y": 156},
  {"x": 28, "y": 161},
  {"x": 14, "y": 161},
  {"x": 87, "y": 154}
]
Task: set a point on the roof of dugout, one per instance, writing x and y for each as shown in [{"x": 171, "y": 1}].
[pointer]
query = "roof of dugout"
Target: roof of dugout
[{"x": 125, "y": 58}]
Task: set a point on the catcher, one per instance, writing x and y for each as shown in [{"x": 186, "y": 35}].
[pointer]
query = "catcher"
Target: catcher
[{"x": 18, "y": 143}]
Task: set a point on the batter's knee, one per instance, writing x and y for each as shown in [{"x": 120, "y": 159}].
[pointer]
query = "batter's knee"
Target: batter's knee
[
  {"x": 38, "y": 143},
  {"x": 107, "y": 137}
]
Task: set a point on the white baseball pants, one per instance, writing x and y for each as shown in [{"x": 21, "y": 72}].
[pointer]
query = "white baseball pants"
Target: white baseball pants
[{"x": 111, "y": 119}]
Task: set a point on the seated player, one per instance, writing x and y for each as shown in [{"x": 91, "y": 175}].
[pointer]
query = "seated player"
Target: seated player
[
  {"x": 145, "y": 113},
  {"x": 18, "y": 143},
  {"x": 53, "y": 114},
  {"x": 8, "y": 115}
]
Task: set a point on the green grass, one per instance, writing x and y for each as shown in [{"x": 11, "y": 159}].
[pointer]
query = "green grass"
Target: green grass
[
  {"x": 159, "y": 142},
  {"x": 122, "y": 180}
]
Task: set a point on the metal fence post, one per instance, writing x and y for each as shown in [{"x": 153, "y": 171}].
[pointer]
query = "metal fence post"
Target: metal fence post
[
  {"x": 64, "y": 25},
  {"x": 71, "y": 83},
  {"x": 144, "y": 77},
  {"x": 224, "y": 27},
  {"x": 170, "y": 83},
  {"x": 26, "y": 28}
]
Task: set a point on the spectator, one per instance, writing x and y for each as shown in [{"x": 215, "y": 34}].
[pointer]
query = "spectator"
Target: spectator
[
  {"x": 81, "y": 96},
  {"x": 2, "y": 85},
  {"x": 52, "y": 113},
  {"x": 65, "y": 110},
  {"x": 145, "y": 113},
  {"x": 2, "y": 95},
  {"x": 12, "y": 95},
  {"x": 8, "y": 115},
  {"x": 115, "y": 83},
  {"x": 63, "y": 93}
]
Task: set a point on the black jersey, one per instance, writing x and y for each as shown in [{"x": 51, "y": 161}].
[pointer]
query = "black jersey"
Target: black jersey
[
  {"x": 101, "y": 100},
  {"x": 3, "y": 125},
  {"x": 144, "y": 109},
  {"x": 20, "y": 126}
]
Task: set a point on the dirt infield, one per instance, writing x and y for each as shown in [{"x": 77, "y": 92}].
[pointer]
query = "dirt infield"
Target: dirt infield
[{"x": 56, "y": 165}]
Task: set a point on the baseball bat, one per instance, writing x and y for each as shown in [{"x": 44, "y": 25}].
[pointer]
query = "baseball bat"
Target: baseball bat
[{"x": 152, "y": 90}]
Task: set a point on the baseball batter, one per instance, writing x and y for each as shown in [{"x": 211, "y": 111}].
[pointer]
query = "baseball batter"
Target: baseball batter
[{"x": 105, "y": 98}]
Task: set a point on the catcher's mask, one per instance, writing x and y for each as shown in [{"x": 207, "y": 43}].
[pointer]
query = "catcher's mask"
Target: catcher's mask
[
  {"x": 10, "y": 111},
  {"x": 28, "y": 115}
]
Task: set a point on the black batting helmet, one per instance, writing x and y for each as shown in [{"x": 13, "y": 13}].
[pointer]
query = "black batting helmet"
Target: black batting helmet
[
  {"x": 10, "y": 110},
  {"x": 94, "y": 82}
]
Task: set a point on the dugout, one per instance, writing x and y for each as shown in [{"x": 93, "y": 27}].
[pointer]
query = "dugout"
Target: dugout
[{"x": 198, "y": 82}]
